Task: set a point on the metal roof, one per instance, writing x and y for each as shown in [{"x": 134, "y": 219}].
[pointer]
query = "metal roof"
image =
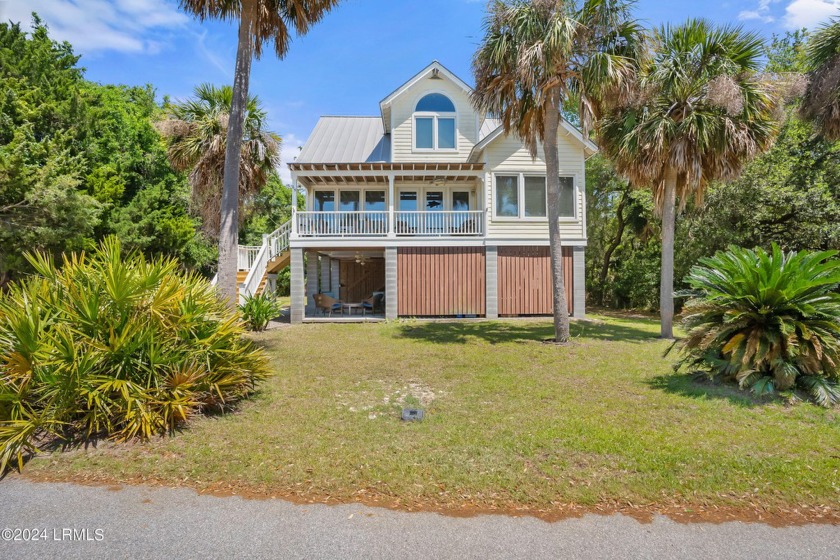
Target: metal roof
[
  {"x": 488, "y": 126},
  {"x": 347, "y": 140}
]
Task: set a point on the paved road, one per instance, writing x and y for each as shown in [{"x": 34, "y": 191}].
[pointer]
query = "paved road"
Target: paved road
[{"x": 140, "y": 522}]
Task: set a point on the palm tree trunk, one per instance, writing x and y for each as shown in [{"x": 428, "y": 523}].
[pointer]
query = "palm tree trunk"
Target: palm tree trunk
[
  {"x": 666, "y": 285},
  {"x": 229, "y": 225},
  {"x": 552, "y": 181},
  {"x": 616, "y": 241}
]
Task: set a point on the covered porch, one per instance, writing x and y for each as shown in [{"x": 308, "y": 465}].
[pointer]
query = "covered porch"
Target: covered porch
[
  {"x": 345, "y": 285},
  {"x": 404, "y": 200}
]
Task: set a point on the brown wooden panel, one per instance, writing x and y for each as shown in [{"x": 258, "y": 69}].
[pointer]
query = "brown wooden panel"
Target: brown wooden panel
[
  {"x": 524, "y": 277},
  {"x": 358, "y": 282},
  {"x": 441, "y": 281}
]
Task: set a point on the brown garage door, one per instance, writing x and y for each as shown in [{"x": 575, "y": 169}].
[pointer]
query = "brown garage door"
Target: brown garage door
[
  {"x": 440, "y": 281},
  {"x": 525, "y": 280}
]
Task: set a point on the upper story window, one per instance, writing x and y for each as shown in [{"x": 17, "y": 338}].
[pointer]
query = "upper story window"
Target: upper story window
[
  {"x": 434, "y": 123},
  {"x": 523, "y": 196}
]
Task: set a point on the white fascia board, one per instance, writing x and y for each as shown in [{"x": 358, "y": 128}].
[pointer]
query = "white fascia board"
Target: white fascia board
[{"x": 385, "y": 104}]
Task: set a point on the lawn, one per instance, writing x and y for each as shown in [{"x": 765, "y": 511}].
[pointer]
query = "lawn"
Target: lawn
[{"x": 511, "y": 423}]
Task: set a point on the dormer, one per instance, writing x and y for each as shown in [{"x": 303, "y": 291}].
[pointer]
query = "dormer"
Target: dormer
[{"x": 431, "y": 117}]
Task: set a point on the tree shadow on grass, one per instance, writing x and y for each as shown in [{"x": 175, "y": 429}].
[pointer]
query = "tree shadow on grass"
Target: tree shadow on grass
[
  {"x": 499, "y": 332},
  {"x": 698, "y": 387}
]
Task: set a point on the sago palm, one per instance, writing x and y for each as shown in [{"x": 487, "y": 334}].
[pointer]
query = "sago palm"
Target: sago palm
[
  {"x": 260, "y": 21},
  {"x": 537, "y": 56},
  {"x": 769, "y": 320},
  {"x": 699, "y": 114},
  {"x": 821, "y": 103},
  {"x": 197, "y": 131}
]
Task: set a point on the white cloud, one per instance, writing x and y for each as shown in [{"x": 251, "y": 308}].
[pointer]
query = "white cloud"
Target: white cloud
[
  {"x": 288, "y": 152},
  {"x": 98, "y": 25},
  {"x": 761, "y": 12},
  {"x": 810, "y": 13}
]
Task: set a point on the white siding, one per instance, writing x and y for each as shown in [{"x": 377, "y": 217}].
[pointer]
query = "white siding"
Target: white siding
[
  {"x": 508, "y": 155},
  {"x": 403, "y": 123}
]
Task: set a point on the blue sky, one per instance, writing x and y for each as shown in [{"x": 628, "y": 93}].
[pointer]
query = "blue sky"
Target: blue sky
[{"x": 345, "y": 65}]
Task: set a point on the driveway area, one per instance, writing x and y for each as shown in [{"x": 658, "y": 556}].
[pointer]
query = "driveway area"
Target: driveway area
[{"x": 141, "y": 522}]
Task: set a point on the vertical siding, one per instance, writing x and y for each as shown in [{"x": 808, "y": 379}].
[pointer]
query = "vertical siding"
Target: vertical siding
[
  {"x": 524, "y": 280},
  {"x": 441, "y": 281},
  {"x": 359, "y": 282}
]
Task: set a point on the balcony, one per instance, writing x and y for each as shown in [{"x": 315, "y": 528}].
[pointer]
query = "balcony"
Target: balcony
[{"x": 400, "y": 223}]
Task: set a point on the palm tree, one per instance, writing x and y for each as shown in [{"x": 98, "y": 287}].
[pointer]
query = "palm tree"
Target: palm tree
[
  {"x": 537, "y": 57},
  {"x": 699, "y": 113},
  {"x": 259, "y": 22},
  {"x": 197, "y": 130},
  {"x": 821, "y": 103}
]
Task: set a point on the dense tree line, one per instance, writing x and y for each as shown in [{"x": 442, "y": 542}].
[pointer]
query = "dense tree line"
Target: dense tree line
[
  {"x": 81, "y": 160},
  {"x": 789, "y": 196}
]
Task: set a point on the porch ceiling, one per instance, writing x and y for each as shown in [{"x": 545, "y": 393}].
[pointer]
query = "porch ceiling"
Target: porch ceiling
[{"x": 316, "y": 174}]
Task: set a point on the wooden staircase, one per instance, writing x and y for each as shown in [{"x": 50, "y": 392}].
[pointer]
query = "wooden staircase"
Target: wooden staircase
[{"x": 274, "y": 255}]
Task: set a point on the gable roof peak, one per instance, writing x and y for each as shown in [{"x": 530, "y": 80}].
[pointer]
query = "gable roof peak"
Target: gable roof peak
[{"x": 438, "y": 71}]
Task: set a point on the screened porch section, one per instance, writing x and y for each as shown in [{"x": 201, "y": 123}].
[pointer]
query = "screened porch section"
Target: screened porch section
[{"x": 345, "y": 284}]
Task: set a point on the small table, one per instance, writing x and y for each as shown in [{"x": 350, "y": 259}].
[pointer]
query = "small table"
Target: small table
[{"x": 349, "y": 307}]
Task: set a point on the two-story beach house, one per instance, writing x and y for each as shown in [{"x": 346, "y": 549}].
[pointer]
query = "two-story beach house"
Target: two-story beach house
[{"x": 425, "y": 210}]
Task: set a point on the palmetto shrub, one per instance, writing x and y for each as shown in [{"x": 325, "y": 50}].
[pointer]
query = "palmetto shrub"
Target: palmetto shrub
[
  {"x": 768, "y": 320},
  {"x": 115, "y": 346},
  {"x": 258, "y": 310}
]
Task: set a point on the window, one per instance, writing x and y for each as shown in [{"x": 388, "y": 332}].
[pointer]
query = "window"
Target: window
[
  {"x": 408, "y": 201},
  {"x": 507, "y": 195},
  {"x": 535, "y": 202},
  {"x": 524, "y": 196},
  {"x": 460, "y": 201},
  {"x": 424, "y": 131},
  {"x": 349, "y": 201},
  {"x": 324, "y": 201},
  {"x": 375, "y": 201},
  {"x": 434, "y": 123}
]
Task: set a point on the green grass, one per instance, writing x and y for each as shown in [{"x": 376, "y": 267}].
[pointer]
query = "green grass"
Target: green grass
[{"x": 510, "y": 422}]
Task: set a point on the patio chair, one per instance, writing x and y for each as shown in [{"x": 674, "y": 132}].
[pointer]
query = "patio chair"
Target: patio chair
[
  {"x": 327, "y": 304},
  {"x": 373, "y": 303}
]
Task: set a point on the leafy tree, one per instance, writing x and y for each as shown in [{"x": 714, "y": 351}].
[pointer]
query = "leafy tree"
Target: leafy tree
[
  {"x": 534, "y": 58},
  {"x": 821, "y": 103},
  {"x": 197, "y": 130},
  {"x": 259, "y": 22},
  {"x": 700, "y": 113},
  {"x": 76, "y": 155}
]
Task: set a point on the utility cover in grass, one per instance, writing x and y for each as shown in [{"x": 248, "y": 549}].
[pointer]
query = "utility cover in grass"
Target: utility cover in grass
[{"x": 412, "y": 414}]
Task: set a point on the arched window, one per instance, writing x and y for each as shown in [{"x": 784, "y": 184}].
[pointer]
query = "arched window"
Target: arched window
[{"x": 434, "y": 123}]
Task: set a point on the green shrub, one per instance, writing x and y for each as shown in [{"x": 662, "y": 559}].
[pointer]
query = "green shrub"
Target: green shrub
[
  {"x": 106, "y": 346},
  {"x": 258, "y": 310},
  {"x": 769, "y": 320}
]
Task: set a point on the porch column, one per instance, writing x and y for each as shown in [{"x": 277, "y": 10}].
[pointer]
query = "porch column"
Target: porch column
[
  {"x": 391, "y": 280},
  {"x": 311, "y": 280},
  {"x": 298, "y": 297},
  {"x": 325, "y": 275},
  {"x": 491, "y": 282},
  {"x": 579, "y": 282},
  {"x": 391, "y": 206}
]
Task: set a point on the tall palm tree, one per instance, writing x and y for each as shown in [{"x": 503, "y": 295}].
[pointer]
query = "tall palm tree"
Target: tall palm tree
[
  {"x": 197, "y": 131},
  {"x": 821, "y": 103},
  {"x": 259, "y": 22},
  {"x": 699, "y": 113},
  {"x": 535, "y": 58}
]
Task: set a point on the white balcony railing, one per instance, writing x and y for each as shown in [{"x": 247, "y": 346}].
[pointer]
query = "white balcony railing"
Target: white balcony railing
[
  {"x": 342, "y": 224},
  {"x": 442, "y": 223},
  {"x": 376, "y": 224},
  {"x": 247, "y": 255}
]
